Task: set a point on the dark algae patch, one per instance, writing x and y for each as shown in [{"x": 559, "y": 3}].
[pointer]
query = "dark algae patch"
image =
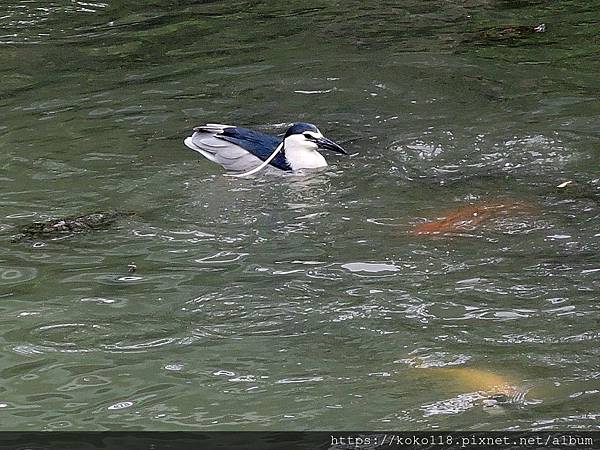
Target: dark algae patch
[
  {"x": 504, "y": 33},
  {"x": 70, "y": 225}
]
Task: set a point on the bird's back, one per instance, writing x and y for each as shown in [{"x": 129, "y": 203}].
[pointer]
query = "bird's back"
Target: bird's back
[{"x": 235, "y": 148}]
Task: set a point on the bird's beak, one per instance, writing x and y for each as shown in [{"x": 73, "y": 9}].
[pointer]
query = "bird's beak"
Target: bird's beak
[{"x": 330, "y": 145}]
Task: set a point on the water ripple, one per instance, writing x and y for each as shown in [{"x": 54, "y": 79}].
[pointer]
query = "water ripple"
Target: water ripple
[{"x": 16, "y": 275}]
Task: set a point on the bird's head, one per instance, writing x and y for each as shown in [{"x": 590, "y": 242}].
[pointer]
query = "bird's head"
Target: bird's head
[{"x": 305, "y": 136}]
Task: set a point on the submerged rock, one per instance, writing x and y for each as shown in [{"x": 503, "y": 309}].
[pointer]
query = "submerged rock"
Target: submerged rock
[
  {"x": 69, "y": 225},
  {"x": 579, "y": 190}
]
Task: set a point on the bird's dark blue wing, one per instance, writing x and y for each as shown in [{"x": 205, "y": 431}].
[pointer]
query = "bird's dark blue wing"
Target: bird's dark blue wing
[{"x": 259, "y": 144}]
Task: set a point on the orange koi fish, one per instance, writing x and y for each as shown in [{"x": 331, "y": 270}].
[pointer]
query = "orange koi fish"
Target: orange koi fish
[{"x": 468, "y": 217}]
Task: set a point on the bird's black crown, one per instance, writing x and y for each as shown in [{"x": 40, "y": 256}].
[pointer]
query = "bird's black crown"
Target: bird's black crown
[{"x": 299, "y": 128}]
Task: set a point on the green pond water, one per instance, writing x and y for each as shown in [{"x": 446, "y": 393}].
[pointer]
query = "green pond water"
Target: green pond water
[{"x": 301, "y": 302}]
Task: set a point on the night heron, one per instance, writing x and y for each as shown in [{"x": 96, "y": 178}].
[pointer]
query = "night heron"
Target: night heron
[{"x": 246, "y": 151}]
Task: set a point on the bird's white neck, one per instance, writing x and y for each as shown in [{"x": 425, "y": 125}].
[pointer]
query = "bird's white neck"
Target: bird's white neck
[{"x": 301, "y": 154}]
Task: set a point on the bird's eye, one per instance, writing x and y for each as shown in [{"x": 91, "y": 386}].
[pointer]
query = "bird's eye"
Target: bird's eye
[{"x": 309, "y": 136}]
